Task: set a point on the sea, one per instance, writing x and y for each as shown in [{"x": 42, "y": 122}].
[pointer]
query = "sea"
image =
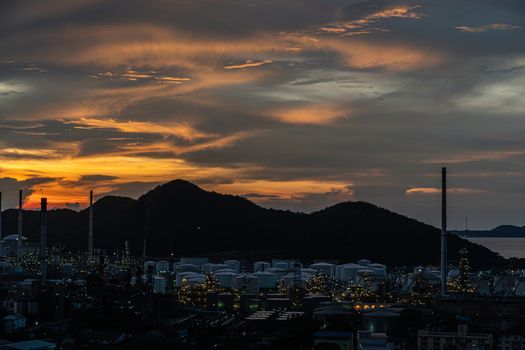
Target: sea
[{"x": 507, "y": 247}]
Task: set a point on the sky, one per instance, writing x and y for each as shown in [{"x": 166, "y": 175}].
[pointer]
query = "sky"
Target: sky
[{"x": 292, "y": 104}]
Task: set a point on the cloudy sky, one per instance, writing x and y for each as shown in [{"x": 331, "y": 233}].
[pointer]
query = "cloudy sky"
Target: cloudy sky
[{"x": 293, "y": 104}]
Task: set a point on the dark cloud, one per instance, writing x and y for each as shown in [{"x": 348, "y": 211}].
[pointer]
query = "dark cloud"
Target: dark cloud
[
  {"x": 10, "y": 187},
  {"x": 377, "y": 94}
]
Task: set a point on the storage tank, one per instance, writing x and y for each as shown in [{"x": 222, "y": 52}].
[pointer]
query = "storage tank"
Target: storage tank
[
  {"x": 363, "y": 262},
  {"x": 199, "y": 261},
  {"x": 196, "y": 279},
  {"x": 249, "y": 283},
  {"x": 225, "y": 278},
  {"x": 225, "y": 270},
  {"x": 147, "y": 264},
  {"x": 267, "y": 280},
  {"x": 159, "y": 285},
  {"x": 360, "y": 275},
  {"x": 281, "y": 265},
  {"x": 261, "y": 266},
  {"x": 209, "y": 267},
  {"x": 309, "y": 271},
  {"x": 233, "y": 264},
  {"x": 379, "y": 269},
  {"x": 183, "y": 275},
  {"x": 277, "y": 272},
  {"x": 347, "y": 272},
  {"x": 326, "y": 268},
  {"x": 187, "y": 268},
  {"x": 162, "y": 266}
]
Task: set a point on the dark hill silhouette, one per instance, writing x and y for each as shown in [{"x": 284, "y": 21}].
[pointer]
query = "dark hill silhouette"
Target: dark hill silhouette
[
  {"x": 500, "y": 231},
  {"x": 182, "y": 218}
]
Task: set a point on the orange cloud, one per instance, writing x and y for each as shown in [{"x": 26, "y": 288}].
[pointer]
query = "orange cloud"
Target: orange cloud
[
  {"x": 182, "y": 130},
  {"x": 486, "y": 27},
  {"x": 248, "y": 64},
  {"x": 434, "y": 190},
  {"x": 309, "y": 114},
  {"x": 390, "y": 56}
]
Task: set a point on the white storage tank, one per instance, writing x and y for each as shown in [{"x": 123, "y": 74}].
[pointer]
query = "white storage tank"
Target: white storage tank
[
  {"x": 162, "y": 266},
  {"x": 225, "y": 270},
  {"x": 361, "y": 274},
  {"x": 309, "y": 271},
  {"x": 363, "y": 262},
  {"x": 266, "y": 279},
  {"x": 379, "y": 269},
  {"x": 249, "y": 283},
  {"x": 261, "y": 266},
  {"x": 209, "y": 267},
  {"x": 187, "y": 268},
  {"x": 326, "y": 268},
  {"x": 196, "y": 279},
  {"x": 159, "y": 285},
  {"x": 277, "y": 272},
  {"x": 183, "y": 275},
  {"x": 225, "y": 278},
  {"x": 199, "y": 261},
  {"x": 233, "y": 264},
  {"x": 281, "y": 265},
  {"x": 347, "y": 272}
]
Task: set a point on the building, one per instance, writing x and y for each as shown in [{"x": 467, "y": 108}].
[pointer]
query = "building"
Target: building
[
  {"x": 512, "y": 338},
  {"x": 373, "y": 341},
  {"x": 343, "y": 340},
  {"x": 433, "y": 340},
  {"x": 12, "y": 323}
]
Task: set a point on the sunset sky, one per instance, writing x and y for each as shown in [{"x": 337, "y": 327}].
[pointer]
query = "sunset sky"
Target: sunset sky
[{"x": 293, "y": 104}]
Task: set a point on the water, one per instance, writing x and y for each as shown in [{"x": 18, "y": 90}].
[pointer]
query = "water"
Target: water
[{"x": 508, "y": 247}]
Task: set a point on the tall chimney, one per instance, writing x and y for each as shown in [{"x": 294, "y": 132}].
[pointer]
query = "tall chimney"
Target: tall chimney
[
  {"x": 443, "y": 231},
  {"x": 0, "y": 215},
  {"x": 43, "y": 237},
  {"x": 19, "y": 237},
  {"x": 90, "y": 240}
]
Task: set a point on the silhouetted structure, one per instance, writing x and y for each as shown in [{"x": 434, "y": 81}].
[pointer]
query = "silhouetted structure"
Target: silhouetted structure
[
  {"x": 443, "y": 231},
  {"x": 90, "y": 238}
]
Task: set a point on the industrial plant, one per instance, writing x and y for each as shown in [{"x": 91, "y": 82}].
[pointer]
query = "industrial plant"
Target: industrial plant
[{"x": 57, "y": 299}]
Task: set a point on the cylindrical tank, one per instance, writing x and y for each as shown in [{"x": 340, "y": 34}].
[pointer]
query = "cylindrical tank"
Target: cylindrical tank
[
  {"x": 277, "y": 272},
  {"x": 326, "y": 268},
  {"x": 194, "y": 260},
  {"x": 361, "y": 274},
  {"x": 187, "y": 268},
  {"x": 183, "y": 275},
  {"x": 249, "y": 283},
  {"x": 281, "y": 265},
  {"x": 379, "y": 269},
  {"x": 147, "y": 264},
  {"x": 233, "y": 264},
  {"x": 225, "y": 278},
  {"x": 347, "y": 272},
  {"x": 266, "y": 279},
  {"x": 363, "y": 262},
  {"x": 196, "y": 279},
  {"x": 159, "y": 285},
  {"x": 261, "y": 266},
  {"x": 162, "y": 266}
]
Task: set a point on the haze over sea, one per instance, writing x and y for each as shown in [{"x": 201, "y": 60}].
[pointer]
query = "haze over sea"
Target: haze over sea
[{"x": 507, "y": 246}]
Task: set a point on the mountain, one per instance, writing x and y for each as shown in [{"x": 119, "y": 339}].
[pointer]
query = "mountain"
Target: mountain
[
  {"x": 182, "y": 218},
  {"x": 500, "y": 231}
]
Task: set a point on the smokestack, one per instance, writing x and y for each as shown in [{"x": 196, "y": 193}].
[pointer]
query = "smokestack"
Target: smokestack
[
  {"x": 19, "y": 237},
  {"x": 43, "y": 237},
  {"x": 90, "y": 240},
  {"x": 0, "y": 215},
  {"x": 443, "y": 231}
]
